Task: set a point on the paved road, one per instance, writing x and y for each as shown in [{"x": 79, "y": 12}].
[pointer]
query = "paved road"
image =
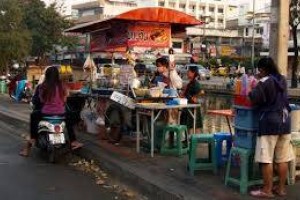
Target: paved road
[{"x": 34, "y": 179}]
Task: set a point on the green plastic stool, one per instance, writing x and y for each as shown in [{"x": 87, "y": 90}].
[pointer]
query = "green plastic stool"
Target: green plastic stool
[
  {"x": 195, "y": 163},
  {"x": 181, "y": 147},
  {"x": 246, "y": 160}
]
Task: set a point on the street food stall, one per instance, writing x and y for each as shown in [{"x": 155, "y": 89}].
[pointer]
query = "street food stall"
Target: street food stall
[{"x": 131, "y": 33}]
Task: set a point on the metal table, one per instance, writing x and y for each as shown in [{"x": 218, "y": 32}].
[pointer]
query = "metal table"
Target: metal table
[
  {"x": 228, "y": 113},
  {"x": 149, "y": 109}
]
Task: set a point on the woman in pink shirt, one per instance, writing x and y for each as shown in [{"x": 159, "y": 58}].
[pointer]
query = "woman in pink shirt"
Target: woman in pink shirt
[{"x": 52, "y": 95}]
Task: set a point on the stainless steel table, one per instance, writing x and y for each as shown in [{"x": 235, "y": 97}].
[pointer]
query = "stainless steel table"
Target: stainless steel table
[{"x": 149, "y": 109}]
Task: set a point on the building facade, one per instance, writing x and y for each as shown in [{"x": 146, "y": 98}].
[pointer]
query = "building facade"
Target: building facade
[{"x": 101, "y": 9}]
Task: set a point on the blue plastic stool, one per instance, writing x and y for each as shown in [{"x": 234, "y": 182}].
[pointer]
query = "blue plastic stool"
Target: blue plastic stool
[{"x": 219, "y": 138}]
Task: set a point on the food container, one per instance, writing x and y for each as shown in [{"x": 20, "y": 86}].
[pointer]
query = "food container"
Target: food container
[
  {"x": 141, "y": 92},
  {"x": 181, "y": 101},
  {"x": 135, "y": 83},
  {"x": 171, "y": 92},
  {"x": 155, "y": 92}
]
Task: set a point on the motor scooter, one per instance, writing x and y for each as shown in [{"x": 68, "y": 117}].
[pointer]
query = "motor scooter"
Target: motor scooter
[
  {"x": 52, "y": 137},
  {"x": 22, "y": 91}
]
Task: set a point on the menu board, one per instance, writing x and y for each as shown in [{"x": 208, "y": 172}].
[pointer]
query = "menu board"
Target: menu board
[{"x": 143, "y": 34}]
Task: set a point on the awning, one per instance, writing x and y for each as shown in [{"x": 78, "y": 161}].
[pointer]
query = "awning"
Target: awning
[{"x": 177, "y": 19}]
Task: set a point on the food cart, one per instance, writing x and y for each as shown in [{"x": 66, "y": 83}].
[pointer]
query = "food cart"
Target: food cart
[{"x": 132, "y": 33}]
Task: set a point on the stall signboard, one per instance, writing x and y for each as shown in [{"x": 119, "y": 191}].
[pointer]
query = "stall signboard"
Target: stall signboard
[
  {"x": 126, "y": 74},
  {"x": 126, "y": 35},
  {"x": 113, "y": 39},
  {"x": 123, "y": 100},
  {"x": 142, "y": 34},
  {"x": 227, "y": 50}
]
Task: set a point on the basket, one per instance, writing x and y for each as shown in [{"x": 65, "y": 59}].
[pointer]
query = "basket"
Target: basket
[
  {"x": 141, "y": 92},
  {"x": 155, "y": 92}
]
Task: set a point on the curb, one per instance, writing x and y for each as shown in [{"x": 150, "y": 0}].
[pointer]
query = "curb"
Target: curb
[
  {"x": 124, "y": 172},
  {"x": 117, "y": 169}
]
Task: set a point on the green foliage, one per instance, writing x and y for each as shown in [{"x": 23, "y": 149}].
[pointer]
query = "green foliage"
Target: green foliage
[
  {"x": 15, "y": 39},
  {"x": 28, "y": 27},
  {"x": 46, "y": 26},
  {"x": 228, "y": 61}
]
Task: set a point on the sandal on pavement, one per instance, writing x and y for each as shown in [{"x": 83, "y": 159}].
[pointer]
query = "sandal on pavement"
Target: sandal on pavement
[
  {"x": 278, "y": 192},
  {"x": 76, "y": 145},
  {"x": 26, "y": 150},
  {"x": 261, "y": 194}
]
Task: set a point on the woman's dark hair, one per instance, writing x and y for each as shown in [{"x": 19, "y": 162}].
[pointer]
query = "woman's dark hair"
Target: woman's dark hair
[
  {"x": 194, "y": 69},
  {"x": 268, "y": 64},
  {"x": 51, "y": 82},
  {"x": 163, "y": 61}
]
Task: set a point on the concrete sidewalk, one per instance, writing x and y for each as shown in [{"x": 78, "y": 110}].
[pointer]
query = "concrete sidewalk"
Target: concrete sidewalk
[{"x": 161, "y": 177}]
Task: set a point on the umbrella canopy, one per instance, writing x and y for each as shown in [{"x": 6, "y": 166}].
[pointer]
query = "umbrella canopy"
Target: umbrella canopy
[{"x": 177, "y": 19}]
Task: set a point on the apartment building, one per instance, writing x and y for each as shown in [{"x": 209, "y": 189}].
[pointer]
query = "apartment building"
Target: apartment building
[
  {"x": 101, "y": 9},
  {"x": 214, "y": 11},
  {"x": 213, "y": 35}
]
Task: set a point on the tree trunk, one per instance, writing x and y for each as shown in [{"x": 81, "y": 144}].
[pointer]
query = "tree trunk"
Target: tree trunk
[{"x": 295, "y": 59}]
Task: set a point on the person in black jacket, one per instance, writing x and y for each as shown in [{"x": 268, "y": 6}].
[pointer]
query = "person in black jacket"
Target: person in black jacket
[{"x": 273, "y": 141}]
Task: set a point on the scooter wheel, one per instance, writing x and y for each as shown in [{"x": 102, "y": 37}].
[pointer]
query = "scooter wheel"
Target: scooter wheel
[{"x": 51, "y": 155}]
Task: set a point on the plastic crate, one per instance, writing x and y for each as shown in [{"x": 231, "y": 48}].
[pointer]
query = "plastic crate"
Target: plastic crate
[
  {"x": 244, "y": 138},
  {"x": 246, "y": 117}
]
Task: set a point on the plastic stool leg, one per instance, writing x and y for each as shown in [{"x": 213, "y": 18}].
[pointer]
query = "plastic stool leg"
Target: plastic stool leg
[
  {"x": 219, "y": 152},
  {"x": 228, "y": 168},
  {"x": 192, "y": 157},
  {"x": 214, "y": 159},
  {"x": 244, "y": 174},
  {"x": 179, "y": 142}
]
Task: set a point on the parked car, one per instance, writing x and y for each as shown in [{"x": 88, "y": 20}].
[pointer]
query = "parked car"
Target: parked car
[{"x": 180, "y": 69}]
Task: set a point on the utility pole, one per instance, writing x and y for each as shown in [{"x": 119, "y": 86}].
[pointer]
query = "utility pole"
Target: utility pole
[
  {"x": 279, "y": 34},
  {"x": 253, "y": 39}
]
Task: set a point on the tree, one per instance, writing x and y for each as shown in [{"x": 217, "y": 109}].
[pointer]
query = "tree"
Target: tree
[
  {"x": 15, "y": 39},
  {"x": 294, "y": 23},
  {"x": 46, "y": 26}
]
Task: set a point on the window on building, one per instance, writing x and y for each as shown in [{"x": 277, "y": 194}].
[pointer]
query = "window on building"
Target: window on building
[
  {"x": 98, "y": 11},
  {"x": 182, "y": 6},
  {"x": 259, "y": 30},
  {"x": 246, "y": 32},
  {"x": 177, "y": 45},
  {"x": 225, "y": 40},
  {"x": 171, "y": 5},
  {"x": 221, "y": 21},
  {"x": 202, "y": 8},
  {"x": 211, "y": 9},
  {"x": 88, "y": 13},
  {"x": 162, "y": 4},
  {"x": 220, "y": 10},
  {"x": 192, "y": 8}
]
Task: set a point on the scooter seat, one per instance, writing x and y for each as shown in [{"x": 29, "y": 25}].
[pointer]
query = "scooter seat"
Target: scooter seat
[{"x": 54, "y": 117}]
